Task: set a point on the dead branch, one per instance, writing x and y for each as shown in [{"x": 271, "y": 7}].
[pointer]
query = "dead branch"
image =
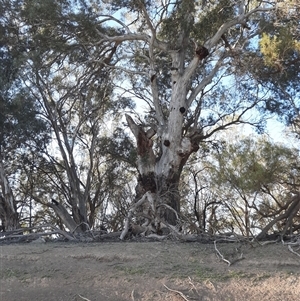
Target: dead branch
[
  {"x": 132, "y": 295},
  {"x": 268, "y": 242},
  {"x": 130, "y": 214},
  {"x": 294, "y": 252},
  {"x": 107, "y": 236},
  {"x": 295, "y": 243},
  {"x": 177, "y": 292},
  {"x": 88, "y": 226},
  {"x": 193, "y": 285},
  {"x": 18, "y": 234},
  {"x": 86, "y": 299},
  {"x": 290, "y": 212},
  {"x": 37, "y": 235},
  {"x": 157, "y": 237},
  {"x": 220, "y": 255},
  {"x": 234, "y": 260}
]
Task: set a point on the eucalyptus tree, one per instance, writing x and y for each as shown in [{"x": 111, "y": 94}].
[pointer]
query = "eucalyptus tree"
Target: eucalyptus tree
[
  {"x": 177, "y": 57},
  {"x": 21, "y": 128},
  {"x": 75, "y": 98},
  {"x": 48, "y": 83}
]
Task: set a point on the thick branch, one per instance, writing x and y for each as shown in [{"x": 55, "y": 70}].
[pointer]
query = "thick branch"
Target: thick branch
[
  {"x": 206, "y": 81},
  {"x": 295, "y": 205},
  {"x": 135, "y": 129},
  {"x": 64, "y": 215},
  {"x": 130, "y": 214},
  {"x": 153, "y": 81},
  {"x": 239, "y": 20},
  {"x": 122, "y": 38}
]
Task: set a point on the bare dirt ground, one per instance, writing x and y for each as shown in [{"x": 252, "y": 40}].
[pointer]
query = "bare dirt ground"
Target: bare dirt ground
[{"x": 119, "y": 271}]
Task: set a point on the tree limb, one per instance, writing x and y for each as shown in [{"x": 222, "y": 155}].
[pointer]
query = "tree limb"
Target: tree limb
[
  {"x": 220, "y": 255},
  {"x": 130, "y": 214}
]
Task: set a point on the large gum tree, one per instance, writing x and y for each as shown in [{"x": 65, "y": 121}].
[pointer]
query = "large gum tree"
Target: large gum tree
[{"x": 189, "y": 62}]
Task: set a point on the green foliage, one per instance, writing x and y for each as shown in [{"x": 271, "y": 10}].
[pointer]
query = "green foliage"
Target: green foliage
[
  {"x": 120, "y": 147},
  {"x": 277, "y": 62},
  {"x": 251, "y": 165},
  {"x": 38, "y": 11},
  {"x": 279, "y": 48},
  {"x": 178, "y": 25},
  {"x": 20, "y": 122},
  {"x": 211, "y": 18},
  {"x": 132, "y": 5}
]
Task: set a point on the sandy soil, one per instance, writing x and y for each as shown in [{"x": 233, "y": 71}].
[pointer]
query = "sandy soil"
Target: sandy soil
[{"x": 119, "y": 271}]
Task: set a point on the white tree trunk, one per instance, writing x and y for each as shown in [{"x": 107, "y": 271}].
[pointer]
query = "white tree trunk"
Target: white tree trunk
[{"x": 160, "y": 173}]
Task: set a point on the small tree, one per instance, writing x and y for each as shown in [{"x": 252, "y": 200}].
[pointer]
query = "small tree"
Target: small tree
[{"x": 257, "y": 184}]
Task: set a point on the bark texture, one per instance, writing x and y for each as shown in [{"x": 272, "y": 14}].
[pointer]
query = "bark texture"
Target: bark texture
[{"x": 8, "y": 208}]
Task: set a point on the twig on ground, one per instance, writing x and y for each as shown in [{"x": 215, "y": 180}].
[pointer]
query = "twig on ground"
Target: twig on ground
[
  {"x": 294, "y": 252},
  {"x": 177, "y": 292},
  {"x": 86, "y": 299},
  {"x": 268, "y": 242},
  {"x": 132, "y": 295},
  {"x": 193, "y": 285},
  {"x": 238, "y": 259},
  {"x": 221, "y": 256}
]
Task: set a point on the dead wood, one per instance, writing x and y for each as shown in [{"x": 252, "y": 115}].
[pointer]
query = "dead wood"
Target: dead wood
[
  {"x": 293, "y": 251},
  {"x": 177, "y": 292},
  {"x": 83, "y": 298},
  {"x": 231, "y": 261},
  {"x": 19, "y": 235},
  {"x": 288, "y": 215},
  {"x": 130, "y": 214},
  {"x": 220, "y": 255}
]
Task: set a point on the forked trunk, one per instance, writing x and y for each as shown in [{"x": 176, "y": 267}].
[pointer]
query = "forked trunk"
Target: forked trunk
[
  {"x": 159, "y": 175},
  {"x": 159, "y": 172}
]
